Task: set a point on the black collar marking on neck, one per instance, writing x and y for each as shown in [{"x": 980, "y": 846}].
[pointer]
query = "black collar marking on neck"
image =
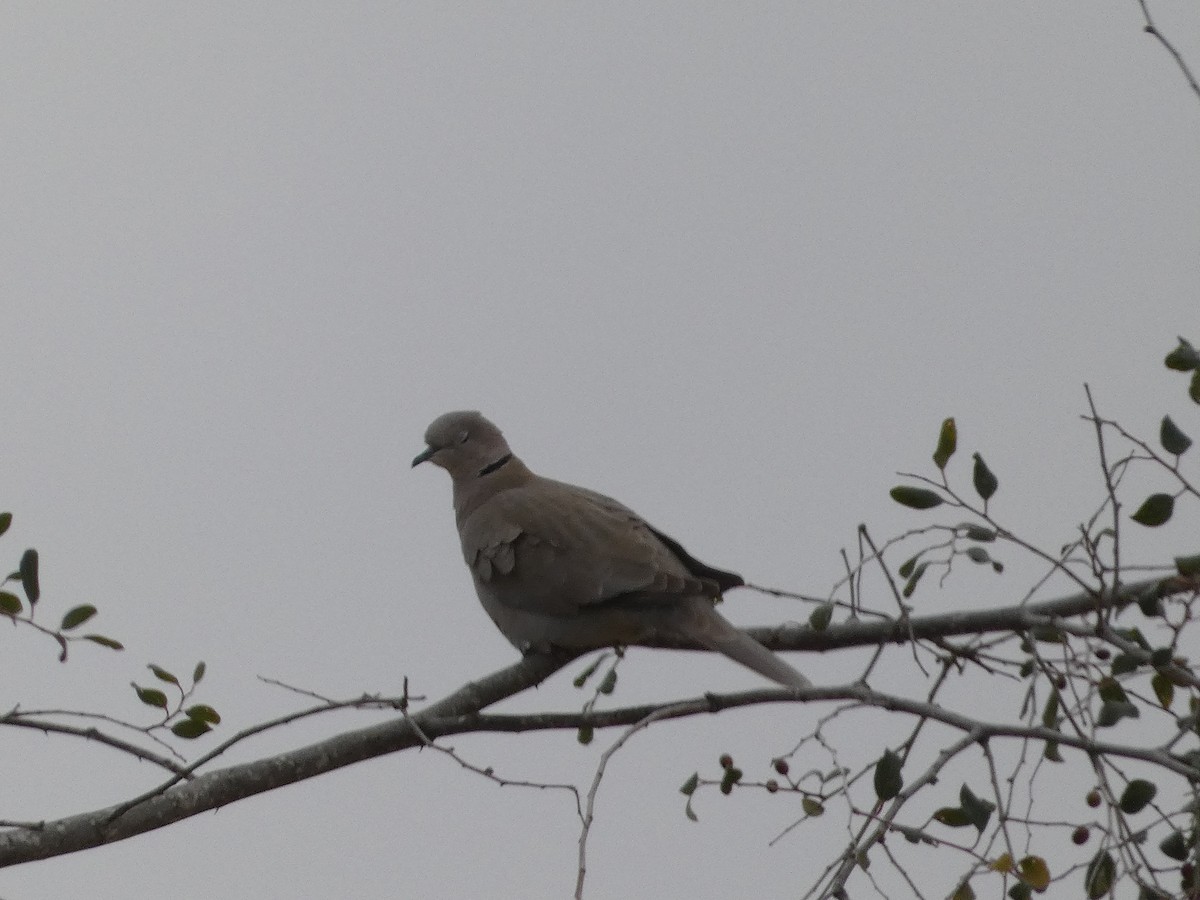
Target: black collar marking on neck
[{"x": 492, "y": 467}]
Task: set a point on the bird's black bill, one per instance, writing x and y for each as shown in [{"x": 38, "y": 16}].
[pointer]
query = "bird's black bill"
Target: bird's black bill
[{"x": 423, "y": 456}]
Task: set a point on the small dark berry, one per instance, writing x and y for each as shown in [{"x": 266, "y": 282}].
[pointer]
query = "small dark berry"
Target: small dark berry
[{"x": 1080, "y": 835}]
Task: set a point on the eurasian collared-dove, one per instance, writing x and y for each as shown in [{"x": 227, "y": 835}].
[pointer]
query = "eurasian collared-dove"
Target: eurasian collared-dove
[{"x": 559, "y": 566}]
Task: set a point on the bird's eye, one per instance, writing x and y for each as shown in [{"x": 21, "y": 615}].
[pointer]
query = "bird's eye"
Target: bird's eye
[{"x": 462, "y": 438}]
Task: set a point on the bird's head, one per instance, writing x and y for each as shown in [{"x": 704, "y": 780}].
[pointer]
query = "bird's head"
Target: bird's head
[{"x": 465, "y": 444}]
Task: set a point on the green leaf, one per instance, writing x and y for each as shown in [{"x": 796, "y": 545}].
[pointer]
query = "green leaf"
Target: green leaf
[
  {"x": 952, "y": 816},
  {"x": 1161, "y": 656},
  {"x": 1183, "y": 358},
  {"x": 978, "y": 810},
  {"x": 198, "y": 672},
  {"x": 978, "y": 555},
  {"x": 204, "y": 713},
  {"x": 151, "y": 696},
  {"x": 1136, "y": 796},
  {"x": 985, "y": 482},
  {"x": 1113, "y": 711},
  {"x": 609, "y": 684},
  {"x": 1050, "y": 711},
  {"x": 1188, "y": 565},
  {"x": 162, "y": 674},
  {"x": 1194, "y": 387},
  {"x": 819, "y": 618},
  {"x": 731, "y": 777},
  {"x": 1163, "y": 689},
  {"x": 1124, "y": 663},
  {"x": 1110, "y": 689},
  {"x": 29, "y": 575},
  {"x": 104, "y": 641},
  {"x": 1181, "y": 676},
  {"x": 1051, "y": 752},
  {"x": 812, "y": 807},
  {"x": 1034, "y": 872},
  {"x": 1155, "y": 510},
  {"x": 5, "y": 521},
  {"x": 582, "y": 677},
  {"x": 10, "y": 604},
  {"x": 1150, "y": 605},
  {"x": 888, "y": 781},
  {"x": 906, "y": 567},
  {"x": 946, "y": 445},
  {"x": 911, "y": 584},
  {"x": 689, "y": 786},
  {"x": 190, "y": 728},
  {"x": 1175, "y": 845},
  {"x": 979, "y": 533},
  {"x": 1048, "y": 634},
  {"x": 1020, "y": 891},
  {"x": 963, "y": 892},
  {"x": 585, "y": 734},
  {"x": 77, "y": 616},
  {"x": 1101, "y": 872},
  {"x": 1172, "y": 439},
  {"x": 915, "y": 497}
]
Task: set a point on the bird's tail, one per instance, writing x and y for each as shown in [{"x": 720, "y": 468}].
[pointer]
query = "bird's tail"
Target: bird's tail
[{"x": 717, "y": 633}]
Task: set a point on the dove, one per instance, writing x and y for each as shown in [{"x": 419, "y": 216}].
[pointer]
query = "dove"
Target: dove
[{"x": 560, "y": 567}]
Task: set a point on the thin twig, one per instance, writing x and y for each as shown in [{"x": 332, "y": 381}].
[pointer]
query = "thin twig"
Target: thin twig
[
  {"x": 1152, "y": 30},
  {"x": 92, "y": 733},
  {"x": 646, "y": 721}
]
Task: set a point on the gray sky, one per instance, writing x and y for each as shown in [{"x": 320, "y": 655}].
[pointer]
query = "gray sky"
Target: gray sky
[{"x": 729, "y": 263}]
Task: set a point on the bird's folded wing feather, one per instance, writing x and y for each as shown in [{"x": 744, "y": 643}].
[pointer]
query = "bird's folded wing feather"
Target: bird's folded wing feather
[{"x": 554, "y": 549}]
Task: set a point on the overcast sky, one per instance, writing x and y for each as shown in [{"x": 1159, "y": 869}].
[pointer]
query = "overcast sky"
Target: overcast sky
[{"x": 730, "y": 263}]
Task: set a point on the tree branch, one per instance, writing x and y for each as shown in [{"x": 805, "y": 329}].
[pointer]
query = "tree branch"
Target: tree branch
[
  {"x": 974, "y": 622},
  {"x": 92, "y": 733},
  {"x": 1152, "y": 30},
  {"x": 460, "y": 712},
  {"x": 223, "y": 786}
]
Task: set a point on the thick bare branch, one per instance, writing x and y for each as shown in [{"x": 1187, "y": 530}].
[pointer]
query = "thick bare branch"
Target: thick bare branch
[
  {"x": 962, "y": 621},
  {"x": 460, "y": 712},
  {"x": 224, "y": 786}
]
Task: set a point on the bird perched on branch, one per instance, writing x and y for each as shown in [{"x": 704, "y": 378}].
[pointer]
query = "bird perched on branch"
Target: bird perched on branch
[{"x": 561, "y": 567}]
